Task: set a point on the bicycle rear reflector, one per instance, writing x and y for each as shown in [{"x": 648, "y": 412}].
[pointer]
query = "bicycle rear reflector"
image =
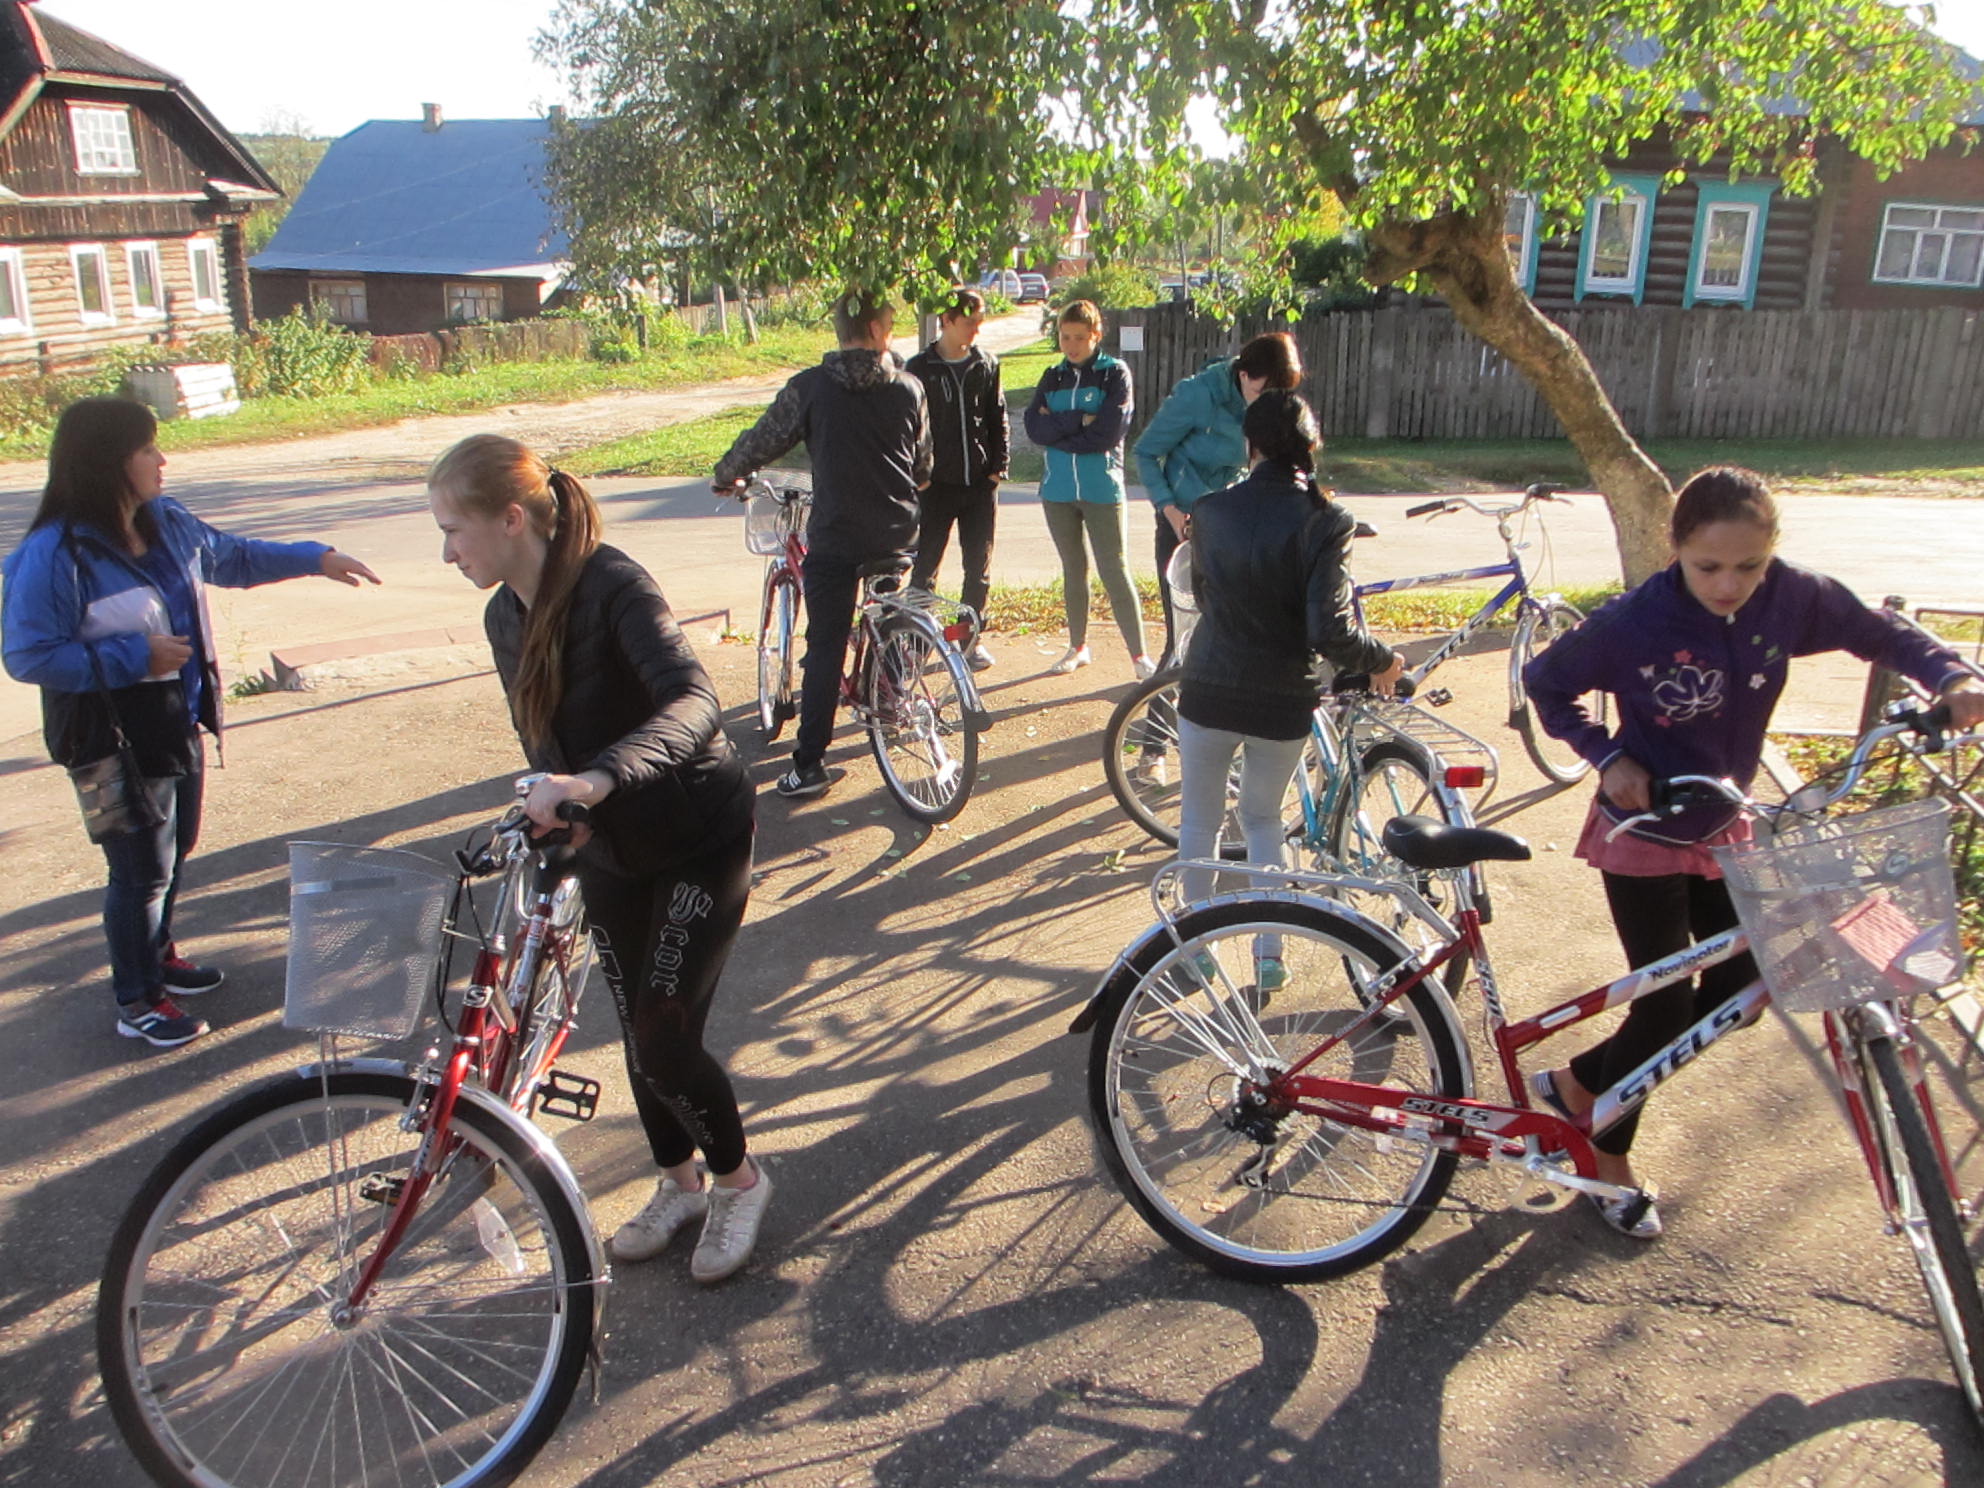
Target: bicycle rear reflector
[
  {"x": 1467, "y": 777},
  {"x": 958, "y": 633}
]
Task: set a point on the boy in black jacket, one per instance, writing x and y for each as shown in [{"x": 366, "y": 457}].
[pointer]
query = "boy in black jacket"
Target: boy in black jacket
[
  {"x": 969, "y": 436},
  {"x": 862, "y": 418}
]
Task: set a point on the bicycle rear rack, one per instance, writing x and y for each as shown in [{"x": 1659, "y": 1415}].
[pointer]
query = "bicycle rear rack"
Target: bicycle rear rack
[{"x": 1447, "y": 744}]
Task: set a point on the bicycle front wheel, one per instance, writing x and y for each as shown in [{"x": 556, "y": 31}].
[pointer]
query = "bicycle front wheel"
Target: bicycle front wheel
[
  {"x": 229, "y": 1356},
  {"x": 1539, "y": 627},
  {"x": 1926, "y": 1212},
  {"x": 927, "y": 752},
  {"x": 1178, "y": 1066},
  {"x": 778, "y": 632}
]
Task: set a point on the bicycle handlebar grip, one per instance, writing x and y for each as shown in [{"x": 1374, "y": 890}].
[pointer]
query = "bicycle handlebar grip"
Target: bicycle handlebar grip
[
  {"x": 575, "y": 812},
  {"x": 1425, "y": 508},
  {"x": 1546, "y": 491}
]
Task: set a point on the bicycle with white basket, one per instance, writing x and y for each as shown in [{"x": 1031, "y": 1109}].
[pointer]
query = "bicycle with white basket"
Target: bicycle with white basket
[
  {"x": 372, "y": 1270},
  {"x": 1311, "y": 1132}
]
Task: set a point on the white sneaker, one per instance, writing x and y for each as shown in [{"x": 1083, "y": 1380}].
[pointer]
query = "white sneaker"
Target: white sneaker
[
  {"x": 731, "y": 1230},
  {"x": 1076, "y": 656},
  {"x": 647, "y": 1234},
  {"x": 978, "y": 658},
  {"x": 1143, "y": 666}
]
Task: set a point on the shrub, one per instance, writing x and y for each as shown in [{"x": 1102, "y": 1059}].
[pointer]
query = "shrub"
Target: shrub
[
  {"x": 300, "y": 356},
  {"x": 1331, "y": 271},
  {"x": 1116, "y": 286}
]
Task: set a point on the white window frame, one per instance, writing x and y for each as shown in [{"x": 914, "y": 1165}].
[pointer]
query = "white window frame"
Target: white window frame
[
  {"x": 97, "y": 155},
  {"x": 208, "y": 249},
  {"x": 1633, "y": 281},
  {"x": 476, "y": 289},
  {"x": 101, "y": 252},
  {"x": 321, "y": 294},
  {"x": 13, "y": 269},
  {"x": 1746, "y": 270},
  {"x": 1524, "y": 255},
  {"x": 1940, "y": 281},
  {"x": 133, "y": 252}
]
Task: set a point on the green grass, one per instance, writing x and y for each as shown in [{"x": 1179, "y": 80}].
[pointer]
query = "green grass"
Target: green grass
[
  {"x": 704, "y": 360},
  {"x": 689, "y": 448},
  {"x": 1379, "y": 465}
]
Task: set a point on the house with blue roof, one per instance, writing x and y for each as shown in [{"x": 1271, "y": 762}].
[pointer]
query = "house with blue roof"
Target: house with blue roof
[
  {"x": 1914, "y": 240},
  {"x": 412, "y": 225}
]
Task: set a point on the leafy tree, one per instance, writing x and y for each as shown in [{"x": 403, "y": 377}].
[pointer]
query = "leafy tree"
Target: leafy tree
[
  {"x": 875, "y": 141},
  {"x": 289, "y": 152},
  {"x": 870, "y": 138}
]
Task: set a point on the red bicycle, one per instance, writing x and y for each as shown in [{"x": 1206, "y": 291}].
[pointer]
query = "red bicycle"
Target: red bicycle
[
  {"x": 1306, "y": 1133},
  {"x": 374, "y": 1270},
  {"x": 906, "y": 682}
]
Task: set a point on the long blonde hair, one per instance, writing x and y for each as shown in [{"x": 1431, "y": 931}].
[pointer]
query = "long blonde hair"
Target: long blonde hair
[{"x": 486, "y": 474}]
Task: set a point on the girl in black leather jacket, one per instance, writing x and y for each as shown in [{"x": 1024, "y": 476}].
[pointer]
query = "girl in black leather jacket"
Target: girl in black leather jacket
[
  {"x": 608, "y": 698},
  {"x": 1272, "y": 590}
]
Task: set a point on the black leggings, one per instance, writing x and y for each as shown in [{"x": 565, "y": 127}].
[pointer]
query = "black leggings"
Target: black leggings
[
  {"x": 1656, "y": 917},
  {"x": 662, "y": 943}
]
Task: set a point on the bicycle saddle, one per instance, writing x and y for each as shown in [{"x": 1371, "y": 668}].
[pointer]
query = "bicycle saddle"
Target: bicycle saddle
[
  {"x": 879, "y": 568},
  {"x": 1424, "y": 842}
]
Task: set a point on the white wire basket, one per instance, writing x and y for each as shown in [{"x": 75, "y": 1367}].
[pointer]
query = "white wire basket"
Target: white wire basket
[
  {"x": 768, "y": 521},
  {"x": 1856, "y": 909},
  {"x": 364, "y": 936}
]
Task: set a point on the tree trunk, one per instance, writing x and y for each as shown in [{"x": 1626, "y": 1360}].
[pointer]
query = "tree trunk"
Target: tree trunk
[{"x": 1468, "y": 262}]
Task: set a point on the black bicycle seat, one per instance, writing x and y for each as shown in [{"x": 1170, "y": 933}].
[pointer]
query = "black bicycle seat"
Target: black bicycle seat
[
  {"x": 882, "y": 568},
  {"x": 1424, "y": 842}
]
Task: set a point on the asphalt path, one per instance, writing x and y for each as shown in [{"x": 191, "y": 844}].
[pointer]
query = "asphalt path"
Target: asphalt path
[{"x": 948, "y": 1290}]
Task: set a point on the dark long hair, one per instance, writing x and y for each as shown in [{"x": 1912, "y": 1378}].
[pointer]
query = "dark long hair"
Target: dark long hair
[
  {"x": 94, "y": 440},
  {"x": 1723, "y": 493},
  {"x": 487, "y": 474},
  {"x": 1281, "y": 428}
]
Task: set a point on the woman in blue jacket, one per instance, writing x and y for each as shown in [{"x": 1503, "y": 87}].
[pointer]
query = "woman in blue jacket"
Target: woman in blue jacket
[
  {"x": 1193, "y": 444},
  {"x": 1696, "y": 658},
  {"x": 105, "y": 611},
  {"x": 1079, "y": 415}
]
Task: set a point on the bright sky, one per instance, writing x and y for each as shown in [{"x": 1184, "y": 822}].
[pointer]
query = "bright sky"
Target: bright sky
[{"x": 335, "y": 66}]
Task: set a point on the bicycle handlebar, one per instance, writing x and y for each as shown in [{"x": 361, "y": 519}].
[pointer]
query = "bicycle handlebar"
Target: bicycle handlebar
[
  {"x": 1539, "y": 491},
  {"x": 1679, "y": 793}
]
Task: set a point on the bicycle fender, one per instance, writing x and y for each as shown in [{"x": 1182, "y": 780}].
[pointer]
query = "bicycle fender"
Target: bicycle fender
[
  {"x": 975, "y": 717},
  {"x": 1149, "y": 948},
  {"x": 541, "y": 1147}
]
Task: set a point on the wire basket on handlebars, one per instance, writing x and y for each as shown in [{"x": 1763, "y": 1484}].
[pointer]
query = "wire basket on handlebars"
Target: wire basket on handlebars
[
  {"x": 1855, "y": 909},
  {"x": 769, "y": 519},
  {"x": 365, "y": 927}
]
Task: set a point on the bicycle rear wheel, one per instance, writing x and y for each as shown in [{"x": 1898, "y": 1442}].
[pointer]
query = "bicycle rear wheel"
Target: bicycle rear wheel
[
  {"x": 227, "y": 1358},
  {"x": 1178, "y": 1058},
  {"x": 1926, "y": 1212},
  {"x": 778, "y": 630},
  {"x": 1540, "y": 626},
  {"x": 927, "y": 752}
]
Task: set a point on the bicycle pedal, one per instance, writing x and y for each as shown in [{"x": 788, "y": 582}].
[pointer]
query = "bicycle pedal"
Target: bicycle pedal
[
  {"x": 575, "y": 1097},
  {"x": 1439, "y": 697},
  {"x": 378, "y": 1188}
]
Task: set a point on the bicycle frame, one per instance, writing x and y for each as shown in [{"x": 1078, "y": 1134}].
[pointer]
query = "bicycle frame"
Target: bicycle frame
[
  {"x": 1518, "y": 1133},
  {"x": 481, "y": 1063}
]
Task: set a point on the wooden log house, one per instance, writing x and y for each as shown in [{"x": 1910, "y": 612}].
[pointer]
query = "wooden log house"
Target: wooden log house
[{"x": 121, "y": 201}]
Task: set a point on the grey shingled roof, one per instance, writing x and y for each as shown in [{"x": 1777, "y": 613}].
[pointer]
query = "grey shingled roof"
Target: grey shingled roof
[
  {"x": 71, "y": 50},
  {"x": 392, "y": 197}
]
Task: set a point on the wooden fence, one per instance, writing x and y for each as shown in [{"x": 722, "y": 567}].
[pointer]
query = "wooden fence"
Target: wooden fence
[{"x": 1415, "y": 373}]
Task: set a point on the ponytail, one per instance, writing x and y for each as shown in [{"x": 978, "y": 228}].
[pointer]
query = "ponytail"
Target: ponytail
[{"x": 487, "y": 474}]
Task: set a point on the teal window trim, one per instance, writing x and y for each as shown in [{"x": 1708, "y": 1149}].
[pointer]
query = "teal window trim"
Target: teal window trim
[
  {"x": 1532, "y": 219},
  {"x": 1713, "y": 194},
  {"x": 1647, "y": 188}
]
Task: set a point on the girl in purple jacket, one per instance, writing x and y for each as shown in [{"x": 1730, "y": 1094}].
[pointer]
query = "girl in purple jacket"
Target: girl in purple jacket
[{"x": 1695, "y": 658}]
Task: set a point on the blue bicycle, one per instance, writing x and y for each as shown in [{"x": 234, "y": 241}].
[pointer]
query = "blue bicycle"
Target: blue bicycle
[{"x": 1540, "y": 619}]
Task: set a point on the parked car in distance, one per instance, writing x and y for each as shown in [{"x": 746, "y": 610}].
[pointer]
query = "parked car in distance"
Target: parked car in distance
[
  {"x": 1003, "y": 281},
  {"x": 1033, "y": 287}
]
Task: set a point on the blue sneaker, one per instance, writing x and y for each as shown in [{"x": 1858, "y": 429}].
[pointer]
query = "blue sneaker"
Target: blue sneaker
[
  {"x": 159, "y": 1023},
  {"x": 183, "y": 977}
]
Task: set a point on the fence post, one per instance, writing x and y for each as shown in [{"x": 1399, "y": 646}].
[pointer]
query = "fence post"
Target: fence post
[
  {"x": 1385, "y": 327},
  {"x": 1666, "y": 360}
]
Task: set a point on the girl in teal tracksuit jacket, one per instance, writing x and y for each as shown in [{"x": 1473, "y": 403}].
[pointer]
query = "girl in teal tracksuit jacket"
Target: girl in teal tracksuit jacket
[{"x": 1078, "y": 417}]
